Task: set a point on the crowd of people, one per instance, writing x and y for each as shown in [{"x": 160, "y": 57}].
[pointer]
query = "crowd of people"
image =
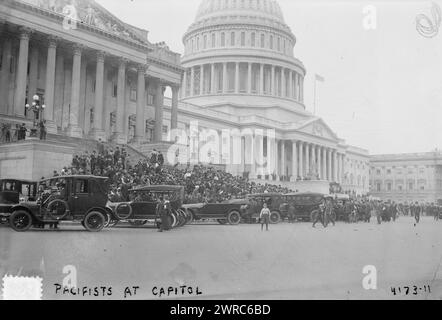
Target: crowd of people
[
  {"x": 201, "y": 183},
  {"x": 363, "y": 209},
  {"x": 18, "y": 132}
]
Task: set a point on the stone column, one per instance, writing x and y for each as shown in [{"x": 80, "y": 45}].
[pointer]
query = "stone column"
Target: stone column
[
  {"x": 283, "y": 85},
  {"x": 294, "y": 161},
  {"x": 307, "y": 159},
  {"x": 213, "y": 79},
  {"x": 283, "y": 159},
  {"x": 295, "y": 93},
  {"x": 174, "y": 112},
  {"x": 269, "y": 156},
  {"x": 329, "y": 165},
  {"x": 192, "y": 81},
  {"x": 252, "y": 148},
  {"x": 272, "y": 82},
  {"x": 73, "y": 129},
  {"x": 249, "y": 78},
  {"x": 140, "y": 125},
  {"x": 159, "y": 100},
  {"x": 4, "y": 75},
  {"x": 97, "y": 126},
  {"x": 335, "y": 166},
  {"x": 290, "y": 86},
  {"x": 301, "y": 159},
  {"x": 318, "y": 161},
  {"x": 33, "y": 74},
  {"x": 225, "y": 82},
  {"x": 119, "y": 136},
  {"x": 324, "y": 164},
  {"x": 184, "y": 85},
  {"x": 301, "y": 89},
  {"x": 237, "y": 77},
  {"x": 201, "y": 80},
  {"x": 261, "y": 79},
  {"x": 22, "y": 70},
  {"x": 50, "y": 85},
  {"x": 243, "y": 155}
]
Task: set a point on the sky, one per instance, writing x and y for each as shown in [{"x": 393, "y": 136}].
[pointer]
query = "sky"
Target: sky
[{"x": 383, "y": 84}]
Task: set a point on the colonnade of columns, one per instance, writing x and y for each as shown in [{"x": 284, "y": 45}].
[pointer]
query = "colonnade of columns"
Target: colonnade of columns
[
  {"x": 243, "y": 77},
  {"x": 294, "y": 160},
  {"x": 27, "y": 55}
]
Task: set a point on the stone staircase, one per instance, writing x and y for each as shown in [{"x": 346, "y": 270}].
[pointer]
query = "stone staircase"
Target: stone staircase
[{"x": 83, "y": 144}]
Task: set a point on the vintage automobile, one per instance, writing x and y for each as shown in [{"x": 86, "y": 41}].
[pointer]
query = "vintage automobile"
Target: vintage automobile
[
  {"x": 80, "y": 199},
  {"x": 255, "y": 202},
  {"x": 12, "y": 192},
  {"x": 225, "y": 212},
  {"x": 304, "y": 206},
  {"x": 143, "y": 204}
]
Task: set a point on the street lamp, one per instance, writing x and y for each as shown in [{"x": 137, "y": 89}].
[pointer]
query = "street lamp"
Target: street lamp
[{"x": 38, "y": 113}]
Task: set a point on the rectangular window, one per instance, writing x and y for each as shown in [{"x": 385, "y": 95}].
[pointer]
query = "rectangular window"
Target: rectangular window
[
  {"x": 378, "y": 187},
  {"x": 12, "y": 65},
  {"x": 271, "y": 42},
  {"x": 410, "y": 186},
  {"x": 114, "y": 90},
  {"x": 165, "y": 129},
  {"x": 232, "y": 39},
  {"x": 81, "y": 187},
  {"x": 133, "y": 94},
  {"x": 223, "y": 39},
  {"x": 388, "y": 186},
  {"x": 253, "y": 39},
  {"x": 243, "y": 39},
  {"x": 262, "y": 40},
  {"x": 150, "y": 100}
]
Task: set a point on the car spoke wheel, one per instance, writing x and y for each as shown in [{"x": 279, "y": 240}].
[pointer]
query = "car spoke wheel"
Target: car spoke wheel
[
  {"x": 123, "y": 211},
  {"x": 189, "y": 216},
  {"x": 173, "y": 220},
  {"x": 234, "y": 218},
  {"x": 94, "y": 221},
  {"x": 275, "y": 217},
  {"x": 20, "y": 221},
  {"x": 58, "y": 209}
]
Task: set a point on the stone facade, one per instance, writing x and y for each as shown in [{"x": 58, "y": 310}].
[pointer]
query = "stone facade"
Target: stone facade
[
  {"x": 237, "y": 93},
  {"x": 407, "y": 177},
  {"x": 98, "y": 77}
]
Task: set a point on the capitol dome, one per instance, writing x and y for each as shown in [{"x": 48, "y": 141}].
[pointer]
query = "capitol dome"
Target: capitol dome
[
  {"x": 241, "y": 52},
  {"x": 265, "y": 8}
]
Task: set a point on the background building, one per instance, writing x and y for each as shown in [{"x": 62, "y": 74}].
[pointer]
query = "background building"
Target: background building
[
  {"x": 101, "y": 78},
  {"x": 407, "y": 177}
]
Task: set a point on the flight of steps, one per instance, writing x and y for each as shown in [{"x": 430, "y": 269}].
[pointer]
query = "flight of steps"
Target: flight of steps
[{"x": 83, "y": 144}]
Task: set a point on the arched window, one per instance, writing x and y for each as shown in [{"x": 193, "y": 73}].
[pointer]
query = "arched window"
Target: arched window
[
  {"x": 205, "y": 42},
  {"x": 232, "y": 39},
  {"x": 197, "y": 43},
  {"x": 271, "y": 42},
  {"x": 213, "y": 40},
  {"x": 223, "y": 39},
  {"x": 262, "y": 40},
  {"x": 253, "y": 39},
  {"x": 243, "y": 39},
  {"x": 279, "y": 44}
]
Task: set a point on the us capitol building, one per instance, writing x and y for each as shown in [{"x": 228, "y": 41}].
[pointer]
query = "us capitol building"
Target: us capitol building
[{"x": 236, "y": 95}]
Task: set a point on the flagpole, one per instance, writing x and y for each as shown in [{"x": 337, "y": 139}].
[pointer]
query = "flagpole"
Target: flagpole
[{"x": 314, "y": 99}]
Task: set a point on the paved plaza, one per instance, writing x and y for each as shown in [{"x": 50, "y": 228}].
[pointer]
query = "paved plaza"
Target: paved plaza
[{"x": 291, "y": 261}]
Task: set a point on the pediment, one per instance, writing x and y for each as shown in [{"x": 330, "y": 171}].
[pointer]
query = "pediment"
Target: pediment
[
  {"x": 93, "y": 14},
  {"x": 318, "y": 128}
]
